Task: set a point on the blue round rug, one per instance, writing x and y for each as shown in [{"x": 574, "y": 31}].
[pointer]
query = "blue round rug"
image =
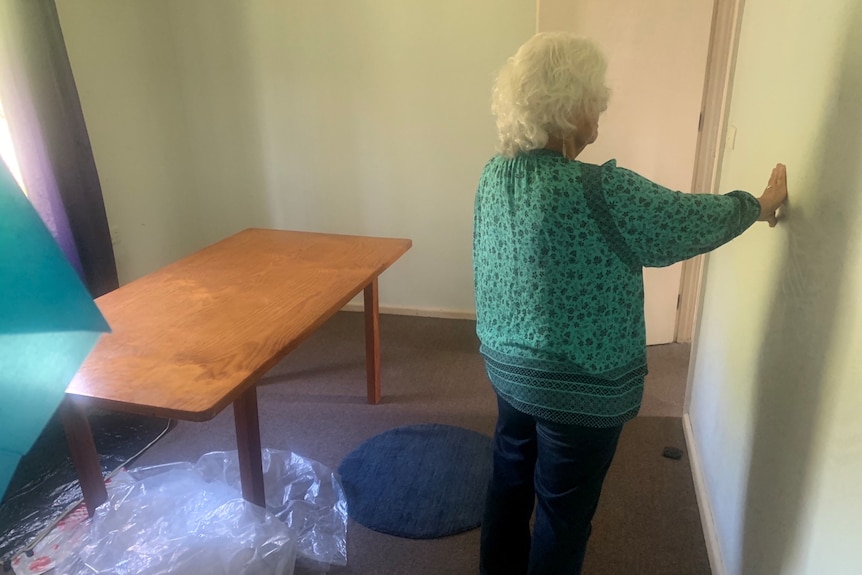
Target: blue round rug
[{"x": 418, "y": 481}]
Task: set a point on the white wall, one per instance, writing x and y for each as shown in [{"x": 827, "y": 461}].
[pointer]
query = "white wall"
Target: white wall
[
  {"x": 776, "y": 394},
  {"x": 364, "y": 117},
  {"x": 125, "y": 68}
]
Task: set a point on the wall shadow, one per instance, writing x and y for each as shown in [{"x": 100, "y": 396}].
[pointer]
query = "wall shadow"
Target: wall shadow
[{"x": 800, "y": 331}]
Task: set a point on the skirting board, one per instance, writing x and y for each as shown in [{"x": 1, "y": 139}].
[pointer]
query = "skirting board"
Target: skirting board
[
  {"x": 416, "y": 311},
  {"x": 707, "y": 519}
]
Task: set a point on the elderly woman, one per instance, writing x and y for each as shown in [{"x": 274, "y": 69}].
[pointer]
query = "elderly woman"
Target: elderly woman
[{"x": 559, "y": 248}]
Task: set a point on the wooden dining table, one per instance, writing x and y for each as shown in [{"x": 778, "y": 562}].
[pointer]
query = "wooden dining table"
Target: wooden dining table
[{"x": 194, "y": 337}]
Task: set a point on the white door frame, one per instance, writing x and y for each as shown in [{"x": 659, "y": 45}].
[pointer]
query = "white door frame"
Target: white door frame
[{"x": 712, "y": 136}]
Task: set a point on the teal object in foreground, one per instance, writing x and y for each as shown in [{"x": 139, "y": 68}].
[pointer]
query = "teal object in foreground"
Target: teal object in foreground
[{"x": 48, "y": 325}]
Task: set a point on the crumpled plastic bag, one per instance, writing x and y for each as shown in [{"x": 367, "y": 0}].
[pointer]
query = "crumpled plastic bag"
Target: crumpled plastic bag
[
  {"x": 303, "y": 493},
  {"x": 183, "y": 519},
  {"x": 170, "y": 520}
]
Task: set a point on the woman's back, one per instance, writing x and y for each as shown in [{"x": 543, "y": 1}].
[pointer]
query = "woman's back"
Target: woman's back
[
  {"x": 558, "y": 251},
  {"x": 548, "y": 284}
]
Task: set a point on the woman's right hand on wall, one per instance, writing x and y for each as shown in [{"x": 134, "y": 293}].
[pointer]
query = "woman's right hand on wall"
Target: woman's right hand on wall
[{"x": 773, "y": 196}]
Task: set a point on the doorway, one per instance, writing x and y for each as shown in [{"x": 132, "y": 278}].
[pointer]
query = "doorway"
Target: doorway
[
  {"x": 657, "y": 55},
  {"x": 669, "y": 64}
]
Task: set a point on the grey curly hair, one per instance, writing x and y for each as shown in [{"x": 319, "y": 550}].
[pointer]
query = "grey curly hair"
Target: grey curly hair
[{"x": 552, "y": 81}]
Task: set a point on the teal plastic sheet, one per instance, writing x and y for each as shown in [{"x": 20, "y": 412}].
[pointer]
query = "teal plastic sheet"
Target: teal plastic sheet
[{"x": 48, "y": 325}]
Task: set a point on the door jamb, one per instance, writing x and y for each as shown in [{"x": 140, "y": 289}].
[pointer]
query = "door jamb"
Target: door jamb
[{"x": 718, "y": 83}]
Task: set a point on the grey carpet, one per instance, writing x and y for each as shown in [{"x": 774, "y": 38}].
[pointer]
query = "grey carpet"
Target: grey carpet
[{"x": 314, "y": 403}]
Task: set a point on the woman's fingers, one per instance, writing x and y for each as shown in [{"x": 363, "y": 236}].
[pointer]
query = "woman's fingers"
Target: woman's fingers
[
  {"x": 778, "y": 177},
  {"x": 774, "y": 195},
  {"x": 773, "y": 178}
]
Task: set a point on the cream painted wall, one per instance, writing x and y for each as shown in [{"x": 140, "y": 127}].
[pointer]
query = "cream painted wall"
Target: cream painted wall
[
  {"x": 776, "y": 382},
  {"x": 125, "y": 68},
  {"x": 656, "y": 54},
  {"x": 364, "y": 117}
]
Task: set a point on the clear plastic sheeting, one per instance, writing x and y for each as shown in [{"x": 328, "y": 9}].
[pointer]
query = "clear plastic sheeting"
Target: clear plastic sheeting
[
  {"x": 302, "y": 493},
  {"x": 187, "y": 519},
  {"x": 45, "y": 485},
  {"x": 174, "y": 521}
]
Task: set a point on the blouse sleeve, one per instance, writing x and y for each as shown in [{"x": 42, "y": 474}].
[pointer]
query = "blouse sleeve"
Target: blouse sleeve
[{"x": 661, "y": 227}]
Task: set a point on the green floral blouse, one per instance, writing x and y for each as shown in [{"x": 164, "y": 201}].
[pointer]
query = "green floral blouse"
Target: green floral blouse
[{"x": 558, "y": 252}]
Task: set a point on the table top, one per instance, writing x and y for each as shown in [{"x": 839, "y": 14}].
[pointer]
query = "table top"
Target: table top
[{"x": 190, "y": 338}]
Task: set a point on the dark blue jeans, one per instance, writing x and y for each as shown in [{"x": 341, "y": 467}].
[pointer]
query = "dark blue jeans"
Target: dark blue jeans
[{"x": 560, "y": 466}]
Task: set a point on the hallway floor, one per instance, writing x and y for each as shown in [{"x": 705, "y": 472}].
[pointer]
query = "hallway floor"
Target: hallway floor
[{"x": 664, "y": 390}]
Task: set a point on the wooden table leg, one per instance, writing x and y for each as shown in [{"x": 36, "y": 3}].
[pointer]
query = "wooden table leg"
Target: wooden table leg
[
  {"x": 372, "y": 342},
  {"x": 84, "y": 455},
  {"x": 248, "y": 447}
]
